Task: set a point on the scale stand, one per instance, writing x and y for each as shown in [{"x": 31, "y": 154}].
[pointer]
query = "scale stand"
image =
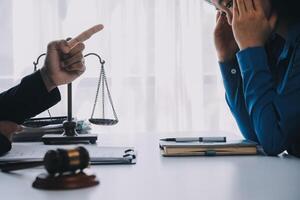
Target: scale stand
[{"x": 69, "y": 136}]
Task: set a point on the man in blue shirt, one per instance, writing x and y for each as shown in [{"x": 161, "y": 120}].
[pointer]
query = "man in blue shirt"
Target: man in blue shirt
[{"x": 258, "y": 46}]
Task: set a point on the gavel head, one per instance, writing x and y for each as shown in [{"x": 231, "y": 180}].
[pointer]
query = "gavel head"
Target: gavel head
[{"x": 63, "y": 160}]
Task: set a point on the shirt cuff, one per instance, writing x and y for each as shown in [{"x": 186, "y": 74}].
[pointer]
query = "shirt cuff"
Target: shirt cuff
[
  {"x": 229, "y": 68},
  {"x": 252, "y": 59},
  {"x": 231, "y": 74}
]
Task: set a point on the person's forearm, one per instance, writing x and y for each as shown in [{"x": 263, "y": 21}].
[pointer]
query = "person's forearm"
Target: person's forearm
[
  {"x": 46, "y": 79},
  {"x": 27, "y": 99},
  {"x": 263, "y": 102},
  {"x": 235, "y": 98}
]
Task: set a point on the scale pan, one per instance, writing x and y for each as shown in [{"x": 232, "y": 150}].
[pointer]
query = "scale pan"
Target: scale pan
[{"x": 108, "y": 122}]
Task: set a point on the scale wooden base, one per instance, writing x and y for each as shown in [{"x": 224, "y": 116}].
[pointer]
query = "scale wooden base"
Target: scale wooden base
[
  {"x": 63, "y": 139},
  {"x": 64, "y": 182},
  {"x": 70, "y": 136}
]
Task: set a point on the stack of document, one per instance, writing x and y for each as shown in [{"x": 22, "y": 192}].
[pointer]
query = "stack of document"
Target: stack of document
[
  {"x": 30, "y": 152},
  {"x": 198, "y": 148}
]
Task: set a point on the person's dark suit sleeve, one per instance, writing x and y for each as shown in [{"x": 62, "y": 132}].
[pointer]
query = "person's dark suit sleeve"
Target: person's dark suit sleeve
[{"x": 26, "y": 100}]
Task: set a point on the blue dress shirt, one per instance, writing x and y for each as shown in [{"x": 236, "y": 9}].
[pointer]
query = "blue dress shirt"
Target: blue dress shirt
[{"x": 263, "y": 92}]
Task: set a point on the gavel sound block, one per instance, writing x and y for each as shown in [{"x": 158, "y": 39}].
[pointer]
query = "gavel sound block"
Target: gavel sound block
[
  {"x": 65, "y": 170},
  {"x": 64, "y": 182}
]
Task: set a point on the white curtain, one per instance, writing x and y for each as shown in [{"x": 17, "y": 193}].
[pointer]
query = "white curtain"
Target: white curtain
[{"x": 160, "y": 59}]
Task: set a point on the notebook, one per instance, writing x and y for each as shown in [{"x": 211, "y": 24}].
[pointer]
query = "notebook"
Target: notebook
[
  {"x": 98, "y": 155},
  {"x": 238, "y": 147}
]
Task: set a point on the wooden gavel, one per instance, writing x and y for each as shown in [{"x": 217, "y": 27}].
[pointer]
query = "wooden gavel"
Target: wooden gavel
[{"x": 55, "y": 161}]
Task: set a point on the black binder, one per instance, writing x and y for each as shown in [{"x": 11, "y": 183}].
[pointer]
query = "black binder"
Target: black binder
[{"x": 104, "y": 155}]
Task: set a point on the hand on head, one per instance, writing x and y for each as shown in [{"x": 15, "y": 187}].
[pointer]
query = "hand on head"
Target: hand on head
[
  {"x": 251, "y": 25},
  {"x": 225, "y": 7},
  {"x": 225, "y": 43},
  {"x": 252, "y": 22},
  {"x": 64, "y": 61}
]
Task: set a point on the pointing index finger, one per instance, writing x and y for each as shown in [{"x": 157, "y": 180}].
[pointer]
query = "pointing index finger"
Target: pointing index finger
[{"x": 85, "y": 35}]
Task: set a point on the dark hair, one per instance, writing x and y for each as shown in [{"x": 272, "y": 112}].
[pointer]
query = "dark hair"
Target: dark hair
[{"x": 287, "y": 9}]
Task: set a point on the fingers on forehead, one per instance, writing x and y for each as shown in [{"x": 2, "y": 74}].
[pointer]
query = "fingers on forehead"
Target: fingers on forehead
[
  {"x": 258, "y": 4},
  {"x": 248, "y": 4},
  {"x": 220, "y": 6}
]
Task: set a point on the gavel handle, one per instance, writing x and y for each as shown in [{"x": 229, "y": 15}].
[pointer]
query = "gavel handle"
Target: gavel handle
[{"x": 19, "y": 165}]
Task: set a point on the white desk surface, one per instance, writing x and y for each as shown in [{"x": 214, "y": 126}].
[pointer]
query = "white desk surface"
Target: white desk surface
[{"x": 155, "y": 177}]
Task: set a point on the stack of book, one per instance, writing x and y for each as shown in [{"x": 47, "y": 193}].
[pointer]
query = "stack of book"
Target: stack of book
[{"x": 199, "y": 148}]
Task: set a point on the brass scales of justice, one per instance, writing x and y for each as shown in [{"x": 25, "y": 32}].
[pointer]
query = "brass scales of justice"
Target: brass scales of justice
[{"x": 70, "y": 134}]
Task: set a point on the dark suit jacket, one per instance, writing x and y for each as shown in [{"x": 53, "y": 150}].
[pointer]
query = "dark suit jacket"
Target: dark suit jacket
[{"x": 24, "y": 101}]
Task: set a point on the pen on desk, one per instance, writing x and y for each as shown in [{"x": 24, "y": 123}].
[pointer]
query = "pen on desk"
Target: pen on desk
[
  {"x": 195, "y": 139},
  {"x": 19, "y": 165}
]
